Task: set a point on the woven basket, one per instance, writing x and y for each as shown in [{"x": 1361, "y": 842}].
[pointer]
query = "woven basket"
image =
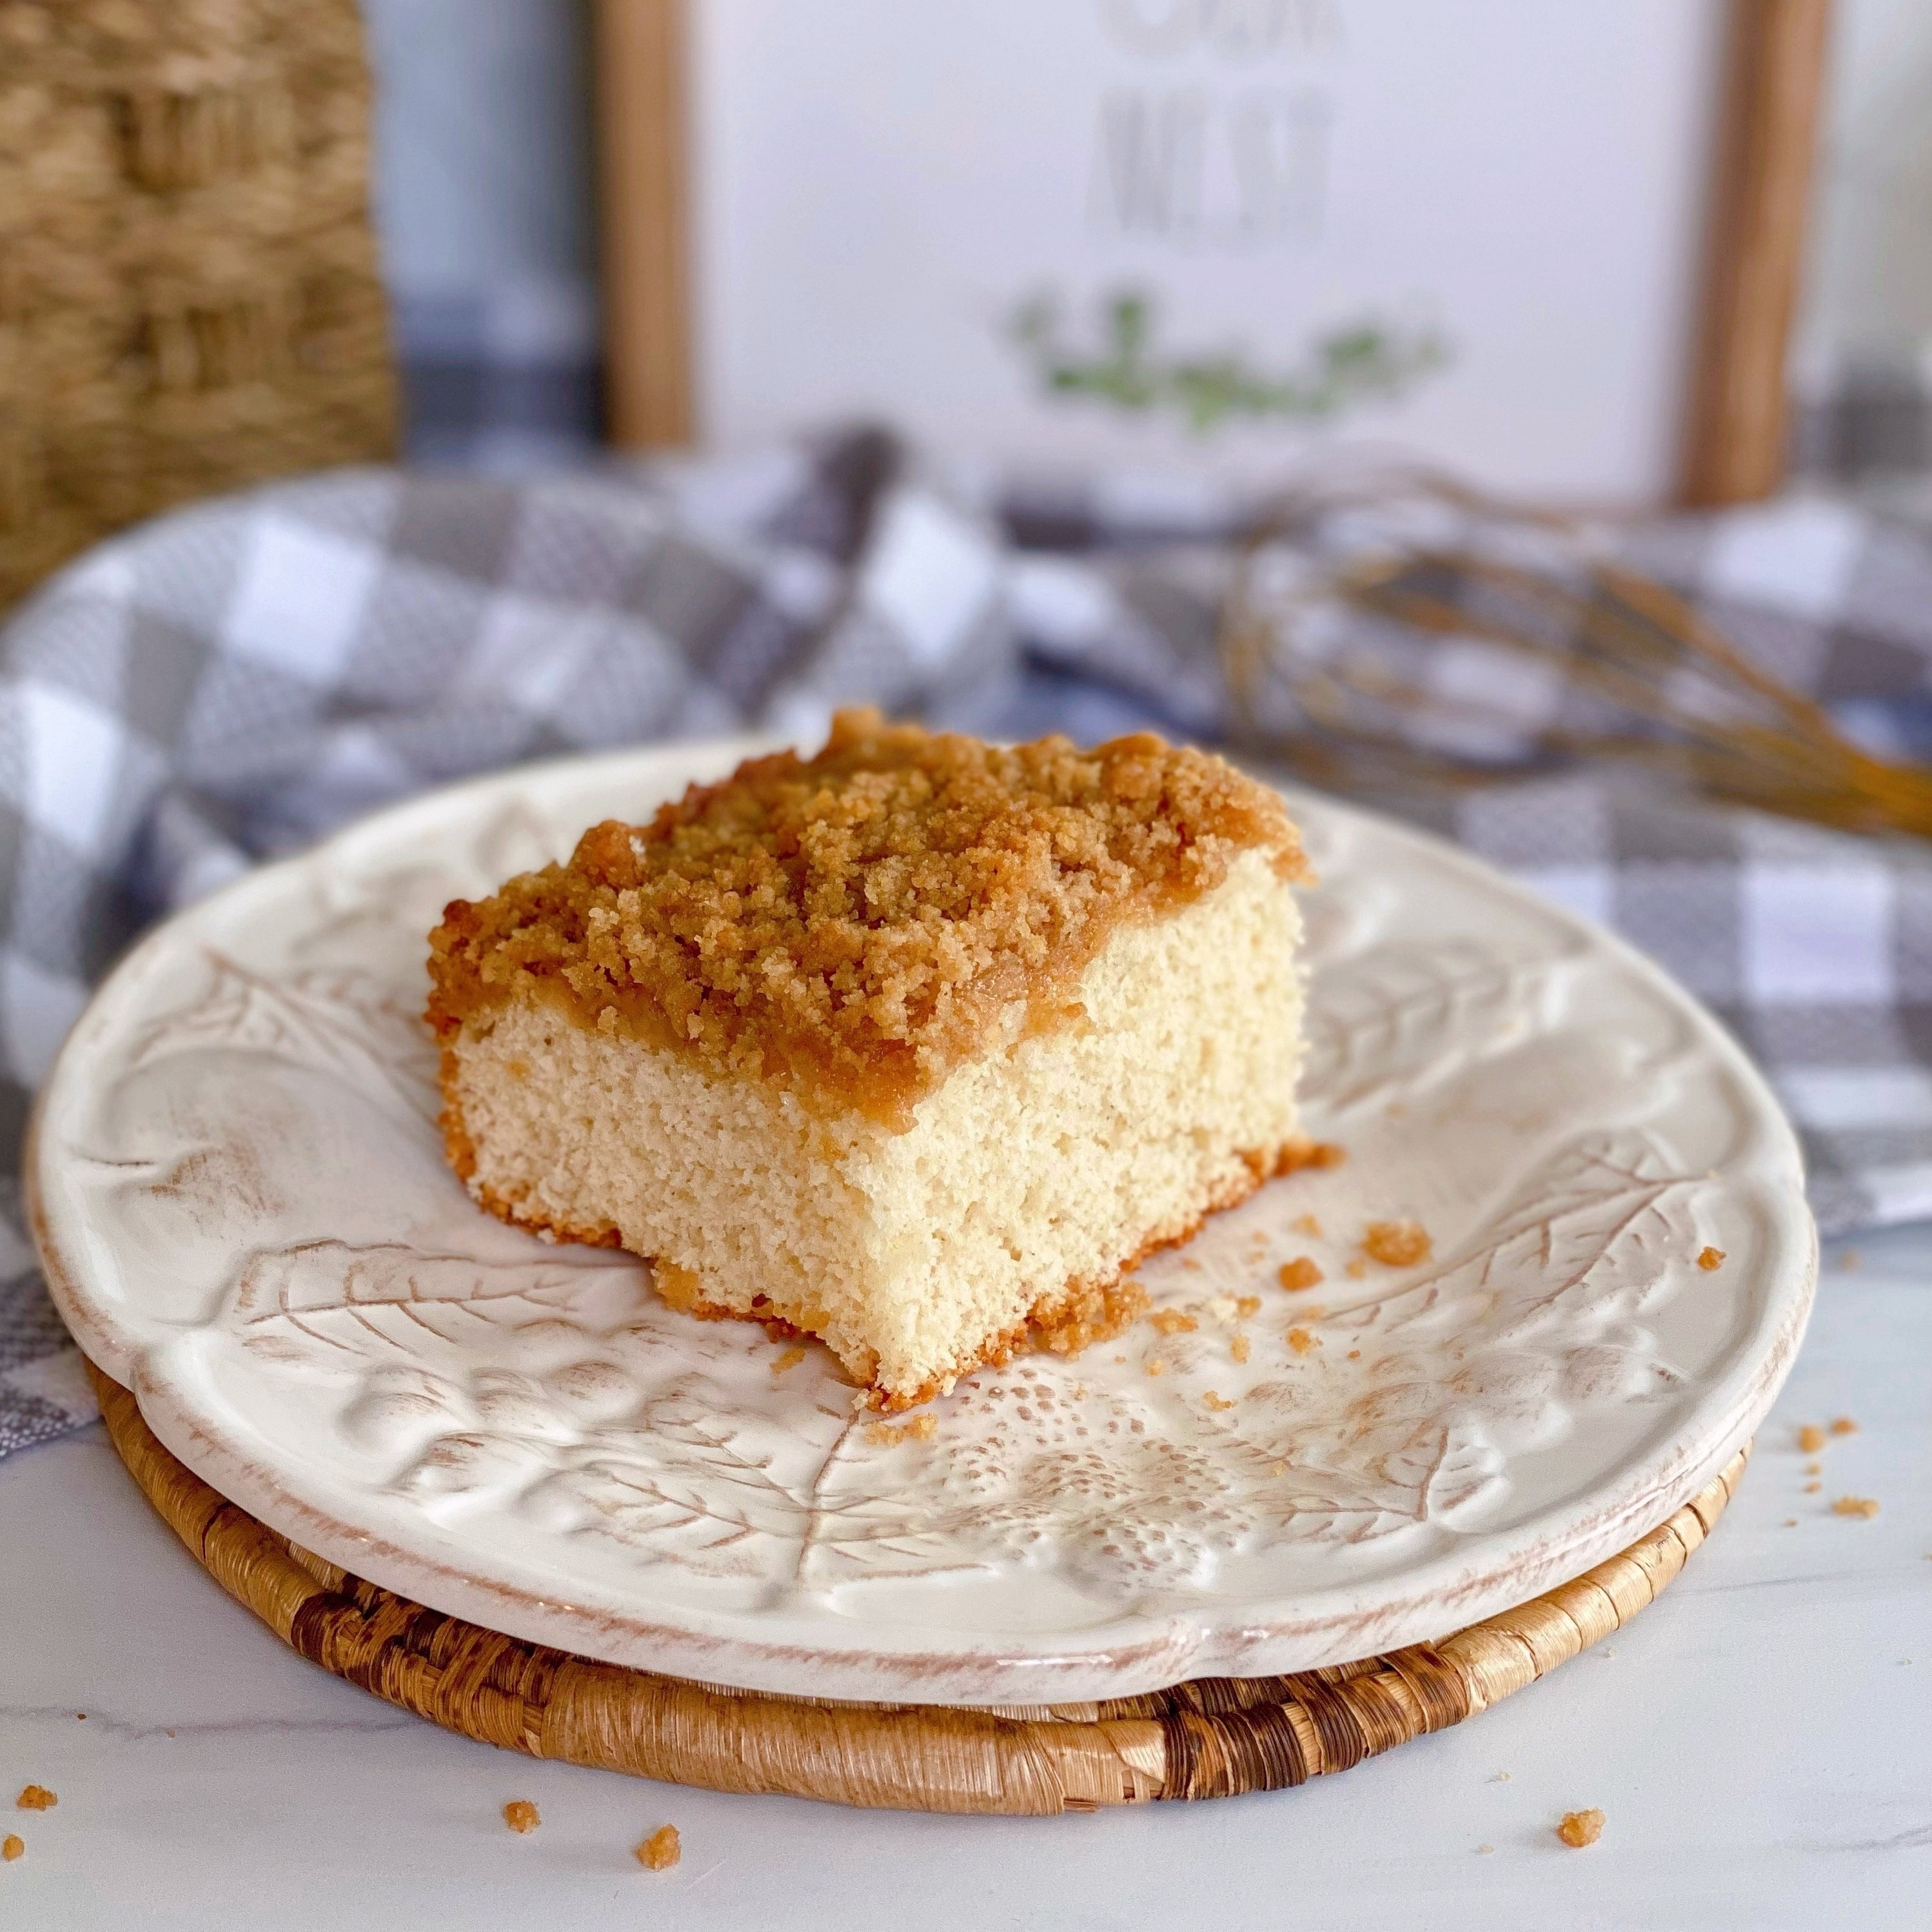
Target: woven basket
[
  {"x": 1216, "y": 1738},
  {"x": 189, "y": 299}
]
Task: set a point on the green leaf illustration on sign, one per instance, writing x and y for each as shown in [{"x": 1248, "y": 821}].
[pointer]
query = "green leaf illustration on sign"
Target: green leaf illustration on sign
[{"x": 1364, "y": 361}]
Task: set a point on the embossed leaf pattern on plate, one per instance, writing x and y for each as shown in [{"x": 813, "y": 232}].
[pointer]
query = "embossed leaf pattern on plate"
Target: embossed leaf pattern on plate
[{"x": 1266, "y": 1467}]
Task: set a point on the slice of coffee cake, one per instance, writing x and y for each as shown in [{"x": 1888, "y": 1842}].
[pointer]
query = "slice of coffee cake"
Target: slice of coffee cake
[{"x": 912, "y": 1045}]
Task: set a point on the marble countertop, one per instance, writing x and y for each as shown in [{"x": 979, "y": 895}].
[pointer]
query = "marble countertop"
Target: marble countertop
[{"x": 1760, "y": 1743}]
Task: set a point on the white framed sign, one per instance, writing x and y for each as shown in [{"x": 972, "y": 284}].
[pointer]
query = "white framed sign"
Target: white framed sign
[{"x": 1216, "y": 235}]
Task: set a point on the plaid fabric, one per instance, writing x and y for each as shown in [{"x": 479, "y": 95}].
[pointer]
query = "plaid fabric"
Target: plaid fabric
[{"x": 231, "y": 681}]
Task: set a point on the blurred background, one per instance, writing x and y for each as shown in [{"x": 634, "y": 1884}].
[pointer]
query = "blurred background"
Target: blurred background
[{"x": 485, "y": 208}]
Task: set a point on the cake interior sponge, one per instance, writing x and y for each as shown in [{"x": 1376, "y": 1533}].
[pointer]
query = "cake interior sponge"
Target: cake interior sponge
[{"x": 915, "y": 1045}]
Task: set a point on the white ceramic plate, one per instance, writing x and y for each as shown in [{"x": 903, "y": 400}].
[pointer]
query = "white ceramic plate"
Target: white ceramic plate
[{"x": 243, "y": 1206}]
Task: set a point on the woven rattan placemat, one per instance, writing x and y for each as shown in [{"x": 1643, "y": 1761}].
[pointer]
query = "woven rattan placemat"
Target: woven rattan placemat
[{"x": 1213, "y": 1737}]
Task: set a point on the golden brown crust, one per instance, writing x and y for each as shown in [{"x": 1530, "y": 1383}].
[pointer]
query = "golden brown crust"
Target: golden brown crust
[{"x": 853, "y": 925}]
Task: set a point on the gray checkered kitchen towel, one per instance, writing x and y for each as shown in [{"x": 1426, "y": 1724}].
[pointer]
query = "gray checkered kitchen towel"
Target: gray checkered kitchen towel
[{"x": 232, "y": 680}]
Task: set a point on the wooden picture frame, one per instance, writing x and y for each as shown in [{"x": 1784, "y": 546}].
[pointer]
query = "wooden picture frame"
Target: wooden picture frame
[{"x": 1736, "y": 411}]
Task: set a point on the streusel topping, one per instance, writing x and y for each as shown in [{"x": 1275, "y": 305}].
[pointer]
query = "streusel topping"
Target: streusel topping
[{"x": 855, "y": 925}]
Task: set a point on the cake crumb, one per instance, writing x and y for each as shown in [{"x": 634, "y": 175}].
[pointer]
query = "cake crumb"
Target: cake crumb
[
  {"x": 1843, "y": 1425},
  {"x": 1355, "y": 1354},
  {"x": 35, "y": 1797},
  {"x": 790, "y": 1359},
  {"x": 520, "y": 1815},
  {"x": 1500, "y": 1777},
  {"x": 1863, "y": 1506},
  {"x": 1216, "y": 1402},
  {"x": 1814, "y": 1469},
  {"x": 1190, "y": 1266},
  {"x": 1156, "y": 1367},
  {"x": 12, "y": 1846},
  {"x": 1302, "y": 1341},
  {"x": 1246, "y": 1305},
  {"x": 1307, "y": 1224},
  {"x": 1299, "y": 1274},
  {"x": 1173, "y": 1321},
  {"x": 660, "y": 1850},
  {"x": 1483, "y": 1849},
  {"x": 1356, "y": 1269},
  {"x": 1791, "y": 1522},
  {"x": 1811, "y": 1438},
  {"x": 1849, "y": 1260},
  {"x": 1710, "y": 1259},
  {"x": 1238, "y": 1347},
  {"x": 1812, "y": 1489},
  {"x": 1279, "y": 1468},
  {"x": 920, "y": 1429},
  {"x": 1579, "y": 1828},
  {"x": 1396, "y": 1243}
]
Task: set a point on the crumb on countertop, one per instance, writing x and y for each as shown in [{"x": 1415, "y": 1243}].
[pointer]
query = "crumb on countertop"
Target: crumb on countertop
[
  {"x": 1710, "y": 1259},
  {"x": 1174, "y": 1321},
  {"x": 520, "y": 1815},
  {"x": 1812, "y": 1489},
  {"x": 1299, "y": 1274},
  {"x": 1307, "y": 1224},
  {"x": 1814, "y": 1469},
  {"x": 1396, "y": 1243},
  {"x": 35, "y": 1797},
  {"x": 660, "y": 1850},
  {"x": 1863, "y": 1506},
  {"x": 1156, "y": 1367},
  {"x": 1811, "y": 1438},
  {"x": 12, "y": 1846},
  {"x": 1843, "y": 1425},
  {"x": 1238, "y": 1348},
  {"x": 1216, "y": 1402},
  {"x": 1579, "y": 1828},
  {"x": 1302, "y": 1341}
]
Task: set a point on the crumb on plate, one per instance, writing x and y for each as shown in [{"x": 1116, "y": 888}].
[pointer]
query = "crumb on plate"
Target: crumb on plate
[
  {"x": 1302, "y": 1341},
  {"x": 1579, "y": 1828},
  {"x": 1299, "y": 1274},
  {"x": 1215, "y": 1402},
  {"x": 660, "y": 1850},
  {"x": 1174, "y": 1321},
  {"x": 1863, "y": 1506},
  {"x": 920, "y": 1429},
  {"x": 35, "y": 1797},
  {"x": 790, "y": 1359},
  {"x": 1396, "y": 1243},
  {"x": 1238, "y": 1347},
  {"x": 520, "y": 1815},
  {"x": 1811, "y": 1438},
  {"x": 1307, "y": 1224},
  {"x": 1843, "y": 1425},
  {"x": 1356, "y": 1269},
  {"x": 12, "y": 1846},
  {"x": 1710, "y": 1259}
]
